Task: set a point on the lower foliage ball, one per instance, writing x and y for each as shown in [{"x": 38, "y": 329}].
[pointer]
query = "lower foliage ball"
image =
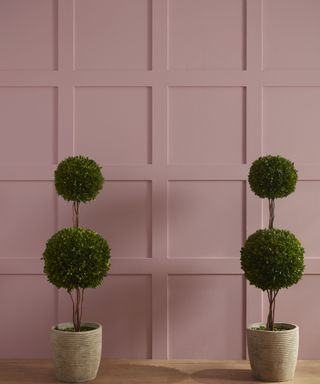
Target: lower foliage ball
[
  {"x": 272, "y": 259},
  {"x": 76, "y": 257}
]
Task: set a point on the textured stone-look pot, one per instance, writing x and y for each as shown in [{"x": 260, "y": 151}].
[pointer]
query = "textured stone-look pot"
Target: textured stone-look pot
[
  {"x": 76, "y": 355},
  {"x": 273, "y": 354}
]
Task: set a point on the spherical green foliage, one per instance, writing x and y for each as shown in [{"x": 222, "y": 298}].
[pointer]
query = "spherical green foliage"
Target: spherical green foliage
[
  {"x": 272, "y": 259},
  {"x": 272, "y": 177},
  {"x": 78, "y": 178},
  {"x": 76, "y": 258}
]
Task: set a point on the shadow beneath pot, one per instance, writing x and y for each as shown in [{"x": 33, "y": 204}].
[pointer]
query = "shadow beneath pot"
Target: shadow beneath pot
[
  {"x": 142, "y": 374},
  {"x": 41, "y": 371},
  {"x": 224, "y": 376}
]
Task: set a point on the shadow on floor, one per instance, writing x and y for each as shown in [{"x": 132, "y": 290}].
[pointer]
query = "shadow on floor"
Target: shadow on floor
[
  {"x": 42, "y": 372},
  {"x": 225, "y": 376},
  {"x": 142, "y": 374}
]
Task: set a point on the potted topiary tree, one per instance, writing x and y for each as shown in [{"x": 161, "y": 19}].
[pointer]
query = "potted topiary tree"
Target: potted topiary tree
[
  {"x": 77, "y": 258},
  {"x": 272, "y": 259}
]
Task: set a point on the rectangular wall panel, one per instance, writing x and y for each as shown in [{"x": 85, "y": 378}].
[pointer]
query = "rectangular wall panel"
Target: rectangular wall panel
[
  {"x": 122, "y": 214},
  {"x": 300, "y": 213},
  {"x": 29, "y": 218},
  {"x": 206, "y": 34},
  {"x": 296, "y": 305},
  {"x": 290, "y": 34},
  {"x": 28, "y": 119},
  {"x": 291, "y": 118},
  {"x": 28, "y": 307},
  {"x": 198, "y": 307},
  {"x": 28, "y": 35},
  {"x": 123, "y": 306},
  {"x": 113, "y": 124},
  {"x": 196, "y": 224},
  {"x": 206, "y": 125},
  {"x": 174, "y": 99},
  {"x": 113, "y": 34}
]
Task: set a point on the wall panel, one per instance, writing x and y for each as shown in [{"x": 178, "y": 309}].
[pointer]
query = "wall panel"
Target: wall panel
[
  {"x": 174, "y": 99},
  {"x": 290, "y": 34},
  {"x": 196, "y": 219},
  {"x": 105, "y": 131},
  {"x": 206, "y": 34},
  {"x": 123, "y": 305},
  {"x": 199, "y": 305},
  {"x": 206, "y": 125},
  {"x": 291, "y": 118},
  {"x": 122, "y": 213},
  {"x": 113, "y": 34},
  {"x": 29, "y": 214},
  {"x": 28, "y": 310},
  {"x": 28, "y": 35},
  {"x": 28, "y": 119},
  {"x": 300, "y": 213},
  {"x": 297, "y": 306}
]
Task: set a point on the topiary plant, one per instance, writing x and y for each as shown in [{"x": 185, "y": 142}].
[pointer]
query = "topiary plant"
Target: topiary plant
[
  {"x": 77, "y": 258},
  {"x": 272, "y": 259}
]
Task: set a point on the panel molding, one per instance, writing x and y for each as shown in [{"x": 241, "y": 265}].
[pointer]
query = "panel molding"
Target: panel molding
[{"x": 159, "y": 173}]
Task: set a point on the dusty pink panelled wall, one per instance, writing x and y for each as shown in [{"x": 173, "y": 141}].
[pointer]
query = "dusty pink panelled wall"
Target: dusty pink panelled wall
[{"x": 175, "y": 98}]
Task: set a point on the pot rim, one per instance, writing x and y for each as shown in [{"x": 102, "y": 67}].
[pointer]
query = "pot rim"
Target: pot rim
[
  {"x": 97, "y": 327},
  {"x": 293, "y": 327}
]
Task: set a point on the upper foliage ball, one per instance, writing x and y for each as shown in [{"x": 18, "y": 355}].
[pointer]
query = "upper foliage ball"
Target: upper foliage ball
[
  {"x": 78, "y": 178},
  {"x": 272, "y": 259},
  {"x": 272, "y": 177},
  {"x": 76, "y": 258}
]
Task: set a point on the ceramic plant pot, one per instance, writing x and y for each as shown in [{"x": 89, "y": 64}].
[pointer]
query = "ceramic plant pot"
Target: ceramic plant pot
[
  {"x": 273, "y": 354},
  {"x": 76, "y": 355}
]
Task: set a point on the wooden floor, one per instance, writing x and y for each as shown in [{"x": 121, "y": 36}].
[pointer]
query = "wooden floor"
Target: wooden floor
[{"x": 153, "y": 372}]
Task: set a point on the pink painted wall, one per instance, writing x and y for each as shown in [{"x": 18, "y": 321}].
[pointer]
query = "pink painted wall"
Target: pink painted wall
[{"x": 175, "y": 99}]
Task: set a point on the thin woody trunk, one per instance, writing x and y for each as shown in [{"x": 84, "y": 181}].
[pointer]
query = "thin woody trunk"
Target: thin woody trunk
[
  {"x": 271, "y": 212},
  {"x": 77, "y": 296},
  {"x": 75, "y": 213},
  {"x": 272, "y": 294}
]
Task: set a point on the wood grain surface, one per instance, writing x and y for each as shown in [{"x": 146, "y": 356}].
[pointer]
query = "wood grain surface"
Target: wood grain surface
[{"x": 153, "y": 372}]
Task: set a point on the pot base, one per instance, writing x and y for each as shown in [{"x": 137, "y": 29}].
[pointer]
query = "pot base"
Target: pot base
[
  {"x": 76, "y": 355},
  {"x": 273, "y": 354}
]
